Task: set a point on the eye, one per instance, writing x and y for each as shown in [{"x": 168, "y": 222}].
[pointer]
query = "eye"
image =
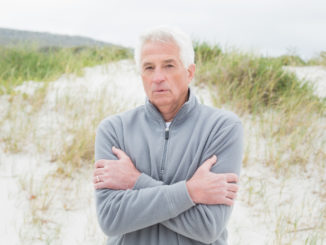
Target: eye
[
  {"x": 169, "y": 66},
  {"x": 149, "y": 68}
]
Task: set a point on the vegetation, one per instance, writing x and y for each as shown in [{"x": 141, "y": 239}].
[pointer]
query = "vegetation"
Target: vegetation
[
  {"x": 24, "y": 63},
  {"x": 283, "y": 108},
  {"x": 285, "y": 135},
  {"x": 251, "y": 83},
  {"x": 319, "y": 60},
  {"x": 284, "y": 124},
  {"x": 290, "y": 60},
  {"x": 260, "y": 87}
]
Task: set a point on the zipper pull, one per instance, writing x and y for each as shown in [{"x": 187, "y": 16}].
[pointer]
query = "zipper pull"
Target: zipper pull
[{"x": 167, "y": 133}]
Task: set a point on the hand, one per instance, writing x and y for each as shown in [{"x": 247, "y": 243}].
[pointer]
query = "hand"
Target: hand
[
  {"x": 118, "y": 174},
  {"x": 206, "y": 187}
]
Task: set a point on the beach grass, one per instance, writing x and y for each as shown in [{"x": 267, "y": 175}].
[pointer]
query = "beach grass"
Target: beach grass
[
  {"x": 25, "y": 63},
  {"x": 284, "y": 109},
  {"x": 284, "y": 122},
  {"x": 77, "y": 149},
  {"x": 285, "y": 125},
  {"x": 319, "y": 60},
  {"x": 251, "y": 83}
]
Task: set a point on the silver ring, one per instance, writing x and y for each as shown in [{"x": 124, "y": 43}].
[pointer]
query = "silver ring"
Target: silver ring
[{"x": 97, "y": 178}]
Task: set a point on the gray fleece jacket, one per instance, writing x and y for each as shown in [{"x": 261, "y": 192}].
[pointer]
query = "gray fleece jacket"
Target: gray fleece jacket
[{"x": 159, "y": 210}]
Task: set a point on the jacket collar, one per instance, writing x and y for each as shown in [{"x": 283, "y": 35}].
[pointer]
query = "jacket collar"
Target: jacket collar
[{"x": 186, "y": 108}]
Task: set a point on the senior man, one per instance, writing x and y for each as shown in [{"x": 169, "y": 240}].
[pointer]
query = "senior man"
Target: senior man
[{"x": 157, "y": 176}]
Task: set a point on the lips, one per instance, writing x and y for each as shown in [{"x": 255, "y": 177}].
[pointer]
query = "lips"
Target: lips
[{"x": 160, "y": 90}]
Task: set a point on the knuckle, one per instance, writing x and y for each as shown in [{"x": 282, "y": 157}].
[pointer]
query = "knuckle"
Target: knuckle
[
  {"x": 222, "y": 185},
  {"x": 98, "y": 162},
  {"x": 235, "y": 177},
  {"x": 231, "y": 195},
  {"x": 223, "y": 193}
]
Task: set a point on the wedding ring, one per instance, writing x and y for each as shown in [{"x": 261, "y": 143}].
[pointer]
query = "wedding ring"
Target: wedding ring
[{"x": 97, "y": 179}]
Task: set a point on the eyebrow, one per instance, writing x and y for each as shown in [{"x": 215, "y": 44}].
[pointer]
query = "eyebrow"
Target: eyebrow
[
  {"x": 164, "y": 62},
  {"x": 147, "y": 64},
  {"x": 169, "y": 61}
]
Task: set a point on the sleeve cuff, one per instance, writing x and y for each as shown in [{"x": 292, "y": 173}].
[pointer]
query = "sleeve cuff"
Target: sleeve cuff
[{"x": 179, "y": 198}]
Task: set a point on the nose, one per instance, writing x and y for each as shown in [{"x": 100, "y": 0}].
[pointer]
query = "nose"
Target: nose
[{"x": 158, "y": 76}]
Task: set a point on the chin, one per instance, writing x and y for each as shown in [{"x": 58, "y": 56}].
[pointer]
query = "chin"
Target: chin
[{"x": 158, "y": 102}]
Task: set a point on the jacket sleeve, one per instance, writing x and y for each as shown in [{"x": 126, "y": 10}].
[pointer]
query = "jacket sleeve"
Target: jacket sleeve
[
  {"x": 205, "y": 223},
  {"x": 122, "y": 211}
]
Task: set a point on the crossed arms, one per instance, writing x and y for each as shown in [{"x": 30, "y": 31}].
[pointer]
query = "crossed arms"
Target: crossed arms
[{"x": 203, "y": 201}]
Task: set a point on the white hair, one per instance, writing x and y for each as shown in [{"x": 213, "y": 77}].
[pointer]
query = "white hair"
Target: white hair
[{"x": 167, "y": 34}]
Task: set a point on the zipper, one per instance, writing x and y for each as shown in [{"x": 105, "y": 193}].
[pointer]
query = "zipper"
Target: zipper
[
  {"x": 167, "y": 133},
  {"x": 166, "y": 137}
]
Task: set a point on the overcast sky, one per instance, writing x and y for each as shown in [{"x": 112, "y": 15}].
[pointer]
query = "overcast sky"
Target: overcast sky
[{"x": 271, "y": 27}]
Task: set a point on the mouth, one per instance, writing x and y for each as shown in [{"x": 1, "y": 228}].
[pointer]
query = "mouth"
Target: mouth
[{"x": 160, "y": 91}]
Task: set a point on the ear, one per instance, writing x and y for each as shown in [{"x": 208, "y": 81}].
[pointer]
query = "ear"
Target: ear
[{"x": 191, "y": 72}]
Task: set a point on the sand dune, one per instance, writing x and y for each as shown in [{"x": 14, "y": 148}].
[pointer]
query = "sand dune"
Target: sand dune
[{"x": 28, "y": 172}]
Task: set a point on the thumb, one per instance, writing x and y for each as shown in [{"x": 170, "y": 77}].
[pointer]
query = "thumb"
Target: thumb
[
  {"x": 119, "y": 153},
  {"x": 209, "y": 162}
]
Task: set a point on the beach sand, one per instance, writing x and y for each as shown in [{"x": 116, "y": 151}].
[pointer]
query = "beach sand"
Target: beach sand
[{"x": 37, "y": 207}]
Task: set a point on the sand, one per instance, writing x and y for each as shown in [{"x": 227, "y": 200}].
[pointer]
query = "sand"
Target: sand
[{"x": 251, "y": 219}]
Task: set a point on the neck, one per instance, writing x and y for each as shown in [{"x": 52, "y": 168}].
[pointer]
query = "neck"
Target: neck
[{"x": 168, "y": 112}]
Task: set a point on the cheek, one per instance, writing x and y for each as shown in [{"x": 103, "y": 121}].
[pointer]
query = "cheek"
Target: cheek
[
  {"x": 147, "y": 86},
  {"x": 182, "y": 84}
]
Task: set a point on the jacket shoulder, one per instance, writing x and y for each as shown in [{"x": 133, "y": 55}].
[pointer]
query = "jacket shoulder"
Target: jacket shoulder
[
  {"x": 117, "y": 119},
  {"x": 222, "y": 117}
]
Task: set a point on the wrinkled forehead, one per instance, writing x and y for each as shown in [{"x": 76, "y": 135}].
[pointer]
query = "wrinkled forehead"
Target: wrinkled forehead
[{"x": 159, "y": 50}]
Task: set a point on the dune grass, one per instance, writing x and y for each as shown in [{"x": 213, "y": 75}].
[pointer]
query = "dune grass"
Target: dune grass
[
  {"x": 24, "y": 63},
  {"x": 319, "y": 59},
  {"x": 251, "y": 83},
  {"x": 285, "y": 125},
  {"x": 19, "y": 118},
  {"x": 77, "y": 149},
  {"x": 279, "y": 111},
  {"x": 285, "y": 107}
]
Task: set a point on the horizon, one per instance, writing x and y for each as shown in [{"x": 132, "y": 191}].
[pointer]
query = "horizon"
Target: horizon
[{"x": 271, "y": 28}]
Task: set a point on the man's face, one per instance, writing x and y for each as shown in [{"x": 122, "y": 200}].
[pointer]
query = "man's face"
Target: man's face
[{"x": 165, "y": 78}]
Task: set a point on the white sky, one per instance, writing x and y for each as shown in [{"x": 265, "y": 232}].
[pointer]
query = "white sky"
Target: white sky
[{"x": 268, "y": 26}]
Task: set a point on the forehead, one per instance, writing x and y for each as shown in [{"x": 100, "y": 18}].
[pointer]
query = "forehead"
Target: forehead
[{"x": 153, "y": 51}]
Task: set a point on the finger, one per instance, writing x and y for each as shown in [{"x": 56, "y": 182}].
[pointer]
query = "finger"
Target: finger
[
  {"x": 99, "y": 185},
  {"x": 209, "y": 162},
  {"x": 98, "y": 171},
  {"x": 119, "y": 153},
  {"x": 231, "y": 177},
  {"x": 231, "y": 195},
  {"x": 97, "y": 179},
  {"x": 228, "y": 201},
  {"x": 100, "y": 163},
  {"x": 233, "y": 187}
]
